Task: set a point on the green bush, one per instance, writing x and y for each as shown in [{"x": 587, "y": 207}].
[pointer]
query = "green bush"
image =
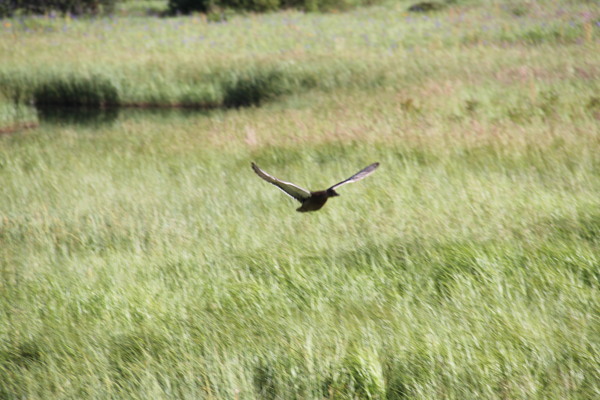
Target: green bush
[
  {"x": 188, "y": 6},
  {"x": 75, "y": 7}
]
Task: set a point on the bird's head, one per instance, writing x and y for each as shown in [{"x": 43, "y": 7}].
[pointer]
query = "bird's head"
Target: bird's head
[{"x": 332, "y": 193}]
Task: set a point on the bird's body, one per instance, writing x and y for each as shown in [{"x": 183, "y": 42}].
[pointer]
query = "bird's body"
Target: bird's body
[
  {"x": 316, "y": 200},
  {"x": 311, "y": 201}
]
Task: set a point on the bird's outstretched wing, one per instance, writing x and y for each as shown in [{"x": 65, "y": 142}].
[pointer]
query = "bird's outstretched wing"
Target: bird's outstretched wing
[
  {"x": 290, "y": 189},
  {"x": 358, "y": 176}
]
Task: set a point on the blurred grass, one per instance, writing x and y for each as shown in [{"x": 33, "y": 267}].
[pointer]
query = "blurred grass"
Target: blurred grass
[{"x": 140, "y": 257}]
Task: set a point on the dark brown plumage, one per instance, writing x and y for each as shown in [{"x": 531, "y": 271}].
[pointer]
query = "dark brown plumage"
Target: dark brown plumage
[{"x": 312, "y": 201}]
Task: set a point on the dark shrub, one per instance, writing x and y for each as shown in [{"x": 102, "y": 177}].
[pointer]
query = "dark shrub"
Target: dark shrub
[
  {"x": 75, "y": 7},
  {"x": 426, "y": 6},
  {"x": 251, "y": 5},
  {"x": 188, "y": 6}
]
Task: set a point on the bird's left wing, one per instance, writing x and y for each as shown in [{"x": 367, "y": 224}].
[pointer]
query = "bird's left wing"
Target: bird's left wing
[
  {"x": 363, "y": 173},
  {"x": 290, "y": 189}
]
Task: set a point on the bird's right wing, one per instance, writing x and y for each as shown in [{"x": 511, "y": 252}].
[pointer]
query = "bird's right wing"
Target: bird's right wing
[
  {"x": 363, "y": 173},
  {"x": 290, "y": 189}
]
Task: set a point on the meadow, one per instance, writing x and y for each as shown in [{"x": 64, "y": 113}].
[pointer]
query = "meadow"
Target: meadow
[{"x": 140, "y": 256}]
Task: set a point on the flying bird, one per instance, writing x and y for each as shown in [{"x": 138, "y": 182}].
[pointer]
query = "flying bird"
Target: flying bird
[{"x": 312, "y": 201}]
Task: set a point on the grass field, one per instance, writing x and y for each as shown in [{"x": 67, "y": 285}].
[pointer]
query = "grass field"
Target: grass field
[{"x": 140, "y": 257}]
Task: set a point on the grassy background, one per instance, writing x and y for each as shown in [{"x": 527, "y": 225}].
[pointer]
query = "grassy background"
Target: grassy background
[{"x": 140, "y": 257}]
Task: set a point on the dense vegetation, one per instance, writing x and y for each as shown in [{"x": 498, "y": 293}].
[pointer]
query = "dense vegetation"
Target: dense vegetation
[
  {"x": 188, "y": 6},
  {"x": 74, "y": 7},
  {"x": 140, "y": 257},
  {"x": 94, "y": 7}
]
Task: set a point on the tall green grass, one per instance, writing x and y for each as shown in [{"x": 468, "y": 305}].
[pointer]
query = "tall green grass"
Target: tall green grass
[
  {"x": 145, "y": 259},
  {"x": 96, "y": 92},
  {"x": 141, "y": 257}
]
